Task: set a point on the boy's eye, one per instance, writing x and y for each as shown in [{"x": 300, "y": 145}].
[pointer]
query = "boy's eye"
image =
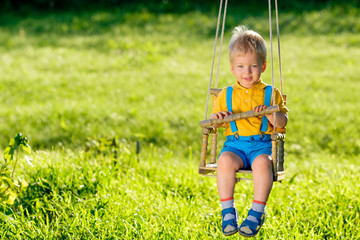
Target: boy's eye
[
  {"x": 240, "y": 66},
  {"x": 254, "y": 66}
]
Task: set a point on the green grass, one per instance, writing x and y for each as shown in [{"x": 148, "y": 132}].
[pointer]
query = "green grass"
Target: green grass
[{"x": 68, "y": 78}]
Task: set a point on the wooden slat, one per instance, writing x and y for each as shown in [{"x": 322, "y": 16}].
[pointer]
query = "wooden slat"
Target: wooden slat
[
  {"x": 238, "y": 116},
  {"x": 204, "y": 146},
  {"x": 211, "y": 167},
  {"x": 213, "y": 147}
]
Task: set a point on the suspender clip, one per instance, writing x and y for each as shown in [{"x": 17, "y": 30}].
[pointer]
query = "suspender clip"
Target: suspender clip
[
  {"x": 236, "y": 135},
  {"x": 262, "y": 135}
]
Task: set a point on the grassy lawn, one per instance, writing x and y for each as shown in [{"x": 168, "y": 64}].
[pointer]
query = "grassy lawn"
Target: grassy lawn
[{"x": 68, "y": 79}]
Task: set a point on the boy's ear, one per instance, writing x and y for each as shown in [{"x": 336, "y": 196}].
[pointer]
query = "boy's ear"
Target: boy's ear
[
  {"x": 232, "y": 68},
  {"x": 263, "y": 67}
]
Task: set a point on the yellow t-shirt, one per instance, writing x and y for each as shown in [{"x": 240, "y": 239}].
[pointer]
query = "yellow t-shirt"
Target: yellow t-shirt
[{"x": 246, "y": 99}]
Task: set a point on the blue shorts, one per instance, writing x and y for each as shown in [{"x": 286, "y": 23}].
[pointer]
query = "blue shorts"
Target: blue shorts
[{"x": 248, "y": 148}]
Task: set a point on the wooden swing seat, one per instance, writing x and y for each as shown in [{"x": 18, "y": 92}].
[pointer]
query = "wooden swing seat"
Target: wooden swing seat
[{"x": 210, "y": 167}]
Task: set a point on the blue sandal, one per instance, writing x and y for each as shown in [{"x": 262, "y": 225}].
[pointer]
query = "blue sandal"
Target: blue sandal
[
  {"x": 230, "y": 226},
  {"x": 249, "y": 228}
]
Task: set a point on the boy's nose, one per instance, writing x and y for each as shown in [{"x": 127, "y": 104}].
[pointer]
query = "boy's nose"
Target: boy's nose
[{"x": 247, "y": 70}]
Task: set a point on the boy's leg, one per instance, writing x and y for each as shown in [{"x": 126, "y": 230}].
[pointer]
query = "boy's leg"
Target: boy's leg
[
  {"x": 263, "y": 180},
  {"x": 228, "y": 164},
  {"x": 263, "y": 177}
]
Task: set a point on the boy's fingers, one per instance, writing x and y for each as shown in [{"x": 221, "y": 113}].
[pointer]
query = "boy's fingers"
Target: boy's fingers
[
  {"x": 227, "y": 114},
  {"x": 260, "y": 108},
  {"x": 221, "y": 115}
]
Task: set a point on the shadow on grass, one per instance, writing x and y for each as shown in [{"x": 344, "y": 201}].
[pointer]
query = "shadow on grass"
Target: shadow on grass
[{"x": 90, "y": 21}]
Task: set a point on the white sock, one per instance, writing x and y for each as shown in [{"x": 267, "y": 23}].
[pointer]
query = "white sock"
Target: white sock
[{"x": 228, "y": 203}]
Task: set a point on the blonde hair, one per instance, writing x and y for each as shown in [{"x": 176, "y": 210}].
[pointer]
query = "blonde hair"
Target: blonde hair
[{"x": 244, "y": 41}]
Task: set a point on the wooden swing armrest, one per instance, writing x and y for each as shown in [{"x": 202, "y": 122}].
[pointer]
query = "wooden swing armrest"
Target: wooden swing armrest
[
  {"x": 215, "y": 91},
  {"x": 237, "y": 116}
]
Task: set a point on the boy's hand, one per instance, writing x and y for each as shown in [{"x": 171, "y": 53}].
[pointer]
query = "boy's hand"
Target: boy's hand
[
  {"x": 260, "y": 108},
  {"x": 220, "y": 115},
  {"x": 281, "y": 118}
]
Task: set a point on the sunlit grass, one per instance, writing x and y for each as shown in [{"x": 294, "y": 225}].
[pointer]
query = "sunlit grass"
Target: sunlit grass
[{"x": 77, "y": 197}]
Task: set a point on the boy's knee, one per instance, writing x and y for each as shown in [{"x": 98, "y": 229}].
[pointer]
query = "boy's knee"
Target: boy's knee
[
  {"x": 227, "y": 160},
  {"x": 224, "y": 160},
  {"x": 262, "y": 162}
]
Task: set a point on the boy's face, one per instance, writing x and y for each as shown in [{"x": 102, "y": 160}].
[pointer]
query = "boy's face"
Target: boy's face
[{"x": 247, "y": 68}]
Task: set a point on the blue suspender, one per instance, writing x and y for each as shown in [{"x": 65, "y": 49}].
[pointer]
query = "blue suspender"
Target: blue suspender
[
  {"x": 229, "y": 92},
  {"x": 267, "y": 102}
]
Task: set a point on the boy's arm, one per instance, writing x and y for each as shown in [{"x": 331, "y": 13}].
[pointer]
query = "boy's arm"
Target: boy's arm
[{"x": 281, "y": 118}]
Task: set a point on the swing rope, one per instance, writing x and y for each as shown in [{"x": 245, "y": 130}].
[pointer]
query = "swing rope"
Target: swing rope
[
  {"x": 279, "y": 53},
  {"x": 272, "y": 64},
  {"x": 272, "y": 58},
  {"x": 221, "y": 41},
  {"x": 214, "y": 53}
]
